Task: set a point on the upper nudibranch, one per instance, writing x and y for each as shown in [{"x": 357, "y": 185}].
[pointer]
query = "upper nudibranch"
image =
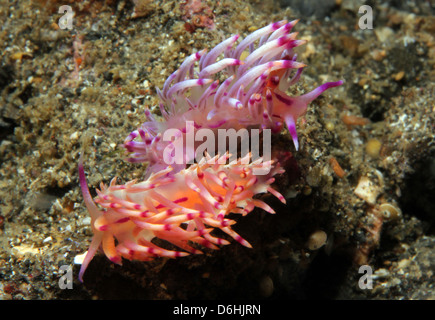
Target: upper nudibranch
[{"x": 252, "y": 94}]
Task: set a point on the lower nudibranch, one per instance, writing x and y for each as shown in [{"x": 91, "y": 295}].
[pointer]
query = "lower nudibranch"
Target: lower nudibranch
[{"x": 180, "y": 209}]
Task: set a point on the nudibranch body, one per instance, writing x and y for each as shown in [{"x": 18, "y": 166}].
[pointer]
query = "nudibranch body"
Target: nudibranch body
[
  {"x": 181, "y": 206},
  {"x": 251, "y": 96}
]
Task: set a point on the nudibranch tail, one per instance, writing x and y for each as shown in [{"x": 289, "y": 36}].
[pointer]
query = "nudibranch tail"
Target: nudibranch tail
[
  {"x": 95, "y": 213},
  {"x": 291, "y": 108}
]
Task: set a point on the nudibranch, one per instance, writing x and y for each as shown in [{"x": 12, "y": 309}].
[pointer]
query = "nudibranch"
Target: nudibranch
[
  {"x": 179, "y": 209},
  {"x": 256, "y": 75},
  {"x": 180, "y": 206}
]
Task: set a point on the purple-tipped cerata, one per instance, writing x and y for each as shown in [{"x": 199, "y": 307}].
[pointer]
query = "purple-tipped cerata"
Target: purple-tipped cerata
[{"x": 257, "y": 73}]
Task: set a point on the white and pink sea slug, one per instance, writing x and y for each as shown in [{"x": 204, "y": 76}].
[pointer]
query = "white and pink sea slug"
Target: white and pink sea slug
[
  {"x": 179, "y": 209},
  {"x": 256, "y": 74},
  {"x": 182, "y": 206}
]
